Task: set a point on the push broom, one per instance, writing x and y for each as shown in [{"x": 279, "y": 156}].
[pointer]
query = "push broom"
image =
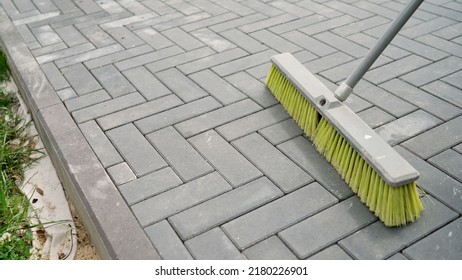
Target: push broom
[{"x": 382, "y": 179}]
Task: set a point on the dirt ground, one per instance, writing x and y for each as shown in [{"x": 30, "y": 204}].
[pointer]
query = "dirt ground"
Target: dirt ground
[{"x": 85, "y": 250}]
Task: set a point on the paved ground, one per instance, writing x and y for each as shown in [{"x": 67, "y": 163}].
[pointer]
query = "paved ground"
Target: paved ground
[{"x": 169, "y": 98}]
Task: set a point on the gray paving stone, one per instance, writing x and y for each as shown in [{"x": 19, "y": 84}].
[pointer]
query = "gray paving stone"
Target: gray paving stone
[
  {"x": 291, "y": 8},
  {"x": 132, "y": 62},
  {"x": 327, "y": 227},
  {"x": 128, "y": 20},
  {"x": 88, "y": 6},
  {"x": 343, "y": 44},
  {"x": 149, "y": 185},
  {"x": 348, "y": 9},
  {"x": 134, "y": 7},
  {"x": 156, "y": 21},
  {"x": 45, "y": 6},
  {"x": 125, "y": 37},
  {"x": 444, "y": 244},
  {"x": 278, "y": 215},
  {"x": 136, "y": 150},
  {"x": 80, "y": 79},
  {"x": 450, "y": 32},
  {"x": 183, "y": 6},
  {"x": 319, "y": 8},
  {"x": 86, "y": 100},
  {"x": 441, "y": 137},
  {"x": 243, "y": 63},
  {"x": 46, "y": 35},
  {"x": 177, "y": 114},
  {"x": 182, "y": 39},
  {"x": 296, "y": 24},
  {"x": 407, "y": 126},
  {"x": 168, "y": 203},
  {"x": 249, "y": 124},
  {"x": 116, "y": 57},
  {"x": 71, "y": 36},
  {"x": 327, "y": 62},
  {"x": 24, "y": 6},
  {"x": 433, "y": 71},
  {"x": 63, "y": 62},
  {"x": 183, "y": 158},
  {"x": 302, "y": 152},
  {"x": 396, "y": 69},
  {"x": 450, "y": 161},
  {"x": 458, "y": 148},
  {"x": 376, "y": 8},
  {"x": 253, "y": 88},
  {"x": 100, "y": 144},
  {"x": 223, "y": 208},
  {"x": 243, "y": 40},
  {"x": 137, "y": 112},
  {"x": 159, "y": 7},
  {"x": 179, "y": 21},
  {"x": 398, "y": 257},
  {"x": 274, "y": 41},
  {"x": 167, "y": 243},
  {"x": 39, "y": 50},
  {"x": 64, "y": 53},
  {"x": 454, "y": 79},
  {"x": 379, "y": 242},
  {"x": 55, "y": 77},
  {"x": 333, "y": 252},
  {"x": 429, "y": 51},
  {"x": 27, "y": 35},
  {"x": 260, "y": 71},
  {"x": 266, "y": 23},
  {"x": 262, "y": 8},
  {"x": 375, "y": 117},
  {"x": 173, "y": 61},
  {"x": 327, "y": 25},
  {"x": 309, "y": 43},
  {"x": 427, "y": 102},
  {"x": 281, "y": 132},
  {"x": 213, "y": 245},
  {"x": 181, "y": 85},
  {"x": 358, "y": 26},
  {"x": 213, "y": 40},
  {"x": 282, "y": 171},
  {"x": 121, "y": 173},
  {"x": 208, "y": 22},
  {"x": 269, "y": 249},
  {"x": 445, "y": 92},
  {"x": 113, "y": 81},
  {"x": 235, "y": 168},
  {"x": 97, "y": 36},
  {"x": 211, "y": 60},
  {"x": 427, "y": 27},
  {"x": 66, "y": 93},
  {"x": 369, "y": 41},
  {"x": 153, "y": 38},
  {"x": 146, "y": 83}
]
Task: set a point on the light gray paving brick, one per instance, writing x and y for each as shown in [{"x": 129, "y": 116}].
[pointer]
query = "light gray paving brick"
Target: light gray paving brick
[
  {"x": 173, "y": 201},
  {"x": 274, "y": 41},
  {"x": 39, "y": 51},
  {"x": 64, "y": 53},
  {"x": 445, "y": 92},
  {"x": 429, "y": 51},
  {"x": 45, "y": 6},
  {"x": 208, "y": 21},
  {"x": 180, "y": 155},
  {"x": 269, "y": 249},
  {"x": 121, "y": 173},
  {"x": 179, "y": 21},
  {"x": 97, "y": 36},
  {"x": 281, "y": 132},
  {"x": 358, "y": 26},
  {"x": 441, "y": 138},
  {"x": 100, "y": 144},
  {"x": 236, "y": 7},
  {"x": 376, "y": 8},
  {"x": 66, "y": 6},
  {"x": 398, "y": 257},
  {"x": 71, "y": 36},
  {"x": 153, "y": 38},
  {"x": 173, "y": 61},
  {"x": 246, "y": 125},
  {"x": 327, "y": 62},
  {"x": 46, "y": 35},
  {"x": 375, "y": 117},
  {"x": 302, "y": 152},
  {"x": 80, "y": 79},
  {"x": 80, "y": 20},
  {"x": 291, "y": 8},
  {"x": 116, "y": 57},
  {"x": 280, "y": 169},
  {"x": 223, "y": 208},
  {"x": 183, "y": 6},
  {"x": 230, "y": 163},
  {"x": 66, "y": 93},
  {"x": 234, "y": 23},
  {"x": 145, "y": 82},
  {"x": 253, "y": 88},
  {"x": 24, "y": 6},
  {"x": 396, "y": 69},
  {"x": 327, "y": 227},
  {"x": 319, "y": 8},
  {"x": 296, "y": 24},
  {"x": 348, "y": 9},
  {"x": 213, "y": 245},
  {"x": 132, "y": 62},
  {"x": 450, "y": 161},
  {"x": 86, "y": 100},
  {"x": 63, "y": 62},
  {"x": 278, "y": 215},
  {"x": 454, "y": 79},
  {"x": 262, "y": 8},
  {"x": 221, "y": 90},
  {"x": 55, "y": 77},
  {"x": 181, "y": 85},
  {"x": 266, "y": 23},
  {"x": 128, "y": 20},
  {"x": 26, "y": 34},
  {"x": 243, "y": 40},
  {"x": 444, "y": 244},
  {"x": 407, "y": 126},
  {"x": 423, "y": 100},
  {"x": 113, "y": 81},
  {"x": 450, "y": 32},
  {"x": 125, "y": 37},
  {"x": 433, "y": 71},
  {"x": 343, "y": 44},
  {"x": 88, "y": 6},
  {"x": 341, "y": 72},
  {"x": 426, "y": 27},
  {"x": 211, "y": 60},
  {"x": 369, "y": 41},
  {"x": 136, "y": 150},
  {"x": 379, "y": 242},
  {"x": 309, "y": 43},
  {"x": 137, "y": 112},
  {"x": 157, "y": 21},
  {"x": 177, "y": 114},
  {"x": 182, "y": 39},
  {"x": 167, "y": 243},
  {"x": 149, "y": 185},
  {"x": 458, "y": 148},
  {"x": 435, "y": 182},
  {"x": 327, "y": 25},
  {"x": 243, "y": 63},
  {"x": 333, "y": 252},
  {"x": 213, "y": 40},
  {"x": 260, "y": 71}
]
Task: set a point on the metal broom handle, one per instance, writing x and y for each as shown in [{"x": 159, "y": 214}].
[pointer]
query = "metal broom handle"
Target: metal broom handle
[{"x": 346, "y": 87}]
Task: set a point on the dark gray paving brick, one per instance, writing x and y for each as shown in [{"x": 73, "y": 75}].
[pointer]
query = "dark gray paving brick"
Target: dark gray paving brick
[
  {"x": 63, "y": 62},
  {"x": 333, "y": 252},
  {"x": 433, "y": 71},
  {"x": 327, "y": 227},
  {"x": 274, "y": 41},
  {"x": 327, "y": 62},
  {"x": 281, "y": 132},
  {"x": 181, "y": 85},
  {"x": 266, "y": 23},
  {"x": 358, "y": 26},
  {"x": 121, "y": 173},
  {"x": 55, "y": 77},
  {"x": 213, "y": 40},
  {"x": 423, "y": 100},
  {"x": 97, "y": 36},
  {"x": 177, "y": 114},
  {"x": 125, "y": 37},
  {"x": 149, "y": 185},
  {"x": 269, "y": 249},
  {"x": 81, "y": 80},
  {"x": 454, "y": 79},
  {"x": 445, "y": 92},
  {"x": 179, "y": 59},
  {"x": 327, "y": 25},
  {"x": 153, "y": 38},
  {"x": 243, "y": 63},
  {"x": 296, "y": 24},
  {"x": 450, "y": 161},
  {"x": 168, "y": 203},
  {"x": 302, "y": 152},
  {"x": 281, "y": 170},
  {"x": 444, "y": 244},
  {"x": 437, "y": 139},
  {"x": 309, "y": 43},
  {"x": 39, "y": 50},
  {"x": 429, "y": 51},
  {"x": 100, "y": 144},
  {"x": 427, "y": 27},
  {"x": 278, "y": 215},
  {"x": 396, "y": 69},
  {"x": 136, "y": 150},
  {"x": 228, "y": 161},
  {"x": 379, "y": 242},
  {"x": 343, "y": 44},
  {"x": 113, "y": 81},
  {"x": 133, "y": 62},
  {"x": 218, "y": 117},
  {"x": 145, "y": 82},
  {"x": 223, "y": 208},
  {"x": 137, "y": 112},
  {"x": 253, "y": 88},
  {"x": 71, "y": 36},
  {"x": 243, "y": 40},
  {"x": 211, "y": 60},
  {"x": 118, "y": 56},
  {"x": 319, "y": 8},
  {"x": 213, "y": 245},
  {"x": 375, "y": 117},
  {"x": 208, "y": 22},
  {"x": 182, "y": 39},
  {"x": 86, "y": 100},
  {"x": 167, "y": 243},
  {"x": 183, "y": 158}
]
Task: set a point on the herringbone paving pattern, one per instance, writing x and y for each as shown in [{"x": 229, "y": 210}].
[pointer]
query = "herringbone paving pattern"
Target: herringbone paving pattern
[{"x": 170, "y": 96}]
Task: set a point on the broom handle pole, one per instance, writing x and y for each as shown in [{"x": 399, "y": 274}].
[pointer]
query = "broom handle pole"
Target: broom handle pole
[{"x": 346, "y": 87}]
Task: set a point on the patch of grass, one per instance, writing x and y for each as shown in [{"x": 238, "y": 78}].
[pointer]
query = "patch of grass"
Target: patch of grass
[{"x": 4, "y": 70}]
